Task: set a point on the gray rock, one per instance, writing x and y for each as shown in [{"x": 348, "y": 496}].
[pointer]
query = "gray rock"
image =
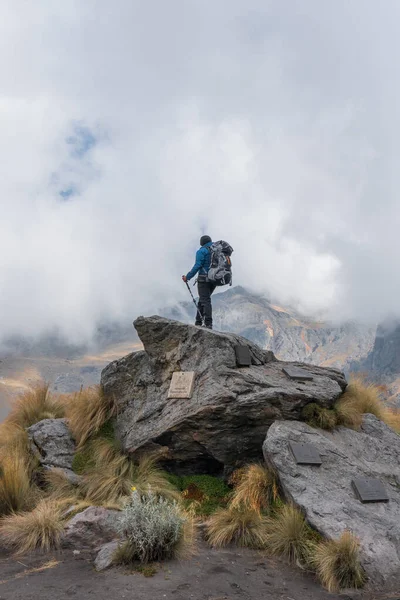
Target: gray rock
[
  {"x": 91, "y": 528},
  {"x": 326, "y": 495},
  {"x": 225, "y": 421},
  {"x": 105, "y": 556},
  {"x": 52, "y": 443}
]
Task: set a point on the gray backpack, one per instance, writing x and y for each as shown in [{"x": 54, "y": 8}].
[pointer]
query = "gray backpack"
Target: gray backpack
[{"x": 220, "y": 271}]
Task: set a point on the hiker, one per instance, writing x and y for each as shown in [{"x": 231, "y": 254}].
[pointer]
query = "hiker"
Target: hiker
[{"x": 204, "y": 286}]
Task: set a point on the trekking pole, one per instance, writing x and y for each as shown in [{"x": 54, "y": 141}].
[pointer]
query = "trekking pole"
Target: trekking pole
[{"x": 194, "y": 302}]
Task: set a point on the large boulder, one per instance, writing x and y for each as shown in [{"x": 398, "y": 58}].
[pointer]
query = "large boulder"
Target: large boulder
[
  {"x": 325, "y": 492},
  {"x": 52, "y": 444},
  {"x": 91, "y": 529},
  {"x": 224, "y": 422}
]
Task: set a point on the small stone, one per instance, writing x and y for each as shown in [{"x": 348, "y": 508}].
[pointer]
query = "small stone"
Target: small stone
[
  {"x": 105, "y": 556},
  {"x": 91, "y": 528},
  {"x": 52, "y": 443}
]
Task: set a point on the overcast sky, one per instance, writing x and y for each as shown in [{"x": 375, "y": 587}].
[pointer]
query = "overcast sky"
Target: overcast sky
[{"x": 130, "y": 128}]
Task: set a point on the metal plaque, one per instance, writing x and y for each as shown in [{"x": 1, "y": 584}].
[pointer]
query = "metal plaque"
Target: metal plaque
[
  {"x": 298, "y": 374},
  {"x": 243, "y": 357},
  {"x": 305, "y": 454},
  {"x": 181, "y": 385},
  {"x": 369, "y": 490}
]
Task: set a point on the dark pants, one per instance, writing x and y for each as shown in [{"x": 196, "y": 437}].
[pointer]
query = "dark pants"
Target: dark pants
[{"x": 205, "y": 289}]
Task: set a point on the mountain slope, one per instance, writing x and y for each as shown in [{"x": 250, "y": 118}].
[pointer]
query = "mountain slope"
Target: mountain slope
[{"x": 288, "y": 334}]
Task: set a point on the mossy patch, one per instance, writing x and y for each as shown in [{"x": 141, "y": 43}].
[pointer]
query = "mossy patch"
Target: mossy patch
[{"x": 203, "y": 494}]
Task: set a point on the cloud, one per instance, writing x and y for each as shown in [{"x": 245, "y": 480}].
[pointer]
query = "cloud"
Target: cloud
[{"x": 128, "y": 132}]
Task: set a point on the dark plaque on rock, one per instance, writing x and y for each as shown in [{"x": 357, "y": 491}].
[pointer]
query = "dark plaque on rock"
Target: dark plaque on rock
[
  {"x": 297, "y": 374},
  {"x": 305, "y": 454},
  {"x": 369, "y": 490},
  {"x": 243, "y": 358}
]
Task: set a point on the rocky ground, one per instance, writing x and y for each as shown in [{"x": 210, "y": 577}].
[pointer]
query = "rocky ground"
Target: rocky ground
[{"x": 230, "y": 574}]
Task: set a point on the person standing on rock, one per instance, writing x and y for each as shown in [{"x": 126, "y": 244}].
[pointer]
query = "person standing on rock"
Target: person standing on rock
[{"x": 204, "y": 286}]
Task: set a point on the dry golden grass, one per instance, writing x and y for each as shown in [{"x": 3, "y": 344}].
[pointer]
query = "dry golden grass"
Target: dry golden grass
[
  {"x": 392, "y": 418},
  {"x": 290, "y": 536},
  {"x": 112, "y": 475},
  {"x": 58, "y": 485},
  {"x": 13, "y": 439},
  {"x": 87, "y": 411},
  {"x": 359, "y": 398},
  {"x": 39, "y": 529},
  {"x": 318, "y": 416},
  {"x": 244, "y": 527},
  {"x": 337, "y": 563},
  {"x": 35, "y": 405},
  {"x": 256, "y": 489},
  {"x": 15, "y": 486}
]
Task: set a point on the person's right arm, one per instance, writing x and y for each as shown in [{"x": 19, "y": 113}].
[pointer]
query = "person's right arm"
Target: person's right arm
[{"x": 200, "y": 259}]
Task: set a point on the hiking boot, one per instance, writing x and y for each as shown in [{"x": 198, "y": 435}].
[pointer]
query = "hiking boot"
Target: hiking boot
[{"x": 208, "y": 326}]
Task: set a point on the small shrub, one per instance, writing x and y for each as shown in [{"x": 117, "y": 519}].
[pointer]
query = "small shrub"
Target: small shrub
[
  {"x": 256, "y": 490},
  {"x": 15, "y": 486},
  {"x": 337, "y": 563},
  {"x": 290, "y": 536},
  {"x": 87, "y": 412},
  {"x": 244, "y": 527},
  {"x": 318, "y": 416},
  {"x": 153, "y": 526},
  {"x": 39, "y": 529},
  {"x": 35, "y": 405}
]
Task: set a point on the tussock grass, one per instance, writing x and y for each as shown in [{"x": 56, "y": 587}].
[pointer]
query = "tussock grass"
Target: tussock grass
[
  {"x": 244, "y": 527},
  {"x": 35, "y": 405},
  {"x": 58, "y": 485},
  {"x": 13, "y": 439},
  {"x": 318, "y": 416},
  {"x": 40, "y": 529},
  {"x": 112, "y": 475},
  {"x": 359, "y": 398},
  {"x": 290, "y": 536},
  {"x": 392, "y": 418},
  {"x": 337, "y": 563},
  {"x": 15, "y": 485},
  {"x": 87, "y": 411},
  {"x": 256, "y": 489}
]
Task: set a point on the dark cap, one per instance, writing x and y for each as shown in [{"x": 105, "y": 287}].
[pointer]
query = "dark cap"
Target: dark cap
[{"x": 204, "y": 240}]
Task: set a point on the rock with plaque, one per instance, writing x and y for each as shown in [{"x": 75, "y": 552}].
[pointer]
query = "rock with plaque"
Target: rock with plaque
[
  {"x": 297, "y": 374},
  {"x": 369, "y": 489},
  {"x": 181, "y": 385},
  {"x": 243, "y": 356},
  {"x": 305, "y": 454}
]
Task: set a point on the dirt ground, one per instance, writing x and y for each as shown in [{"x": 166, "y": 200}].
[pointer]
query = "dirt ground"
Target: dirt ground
[{"x": 230, "y": 574}]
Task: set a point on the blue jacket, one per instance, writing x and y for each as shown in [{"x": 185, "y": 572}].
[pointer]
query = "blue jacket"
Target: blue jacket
[{"x": 202, "y": 264}]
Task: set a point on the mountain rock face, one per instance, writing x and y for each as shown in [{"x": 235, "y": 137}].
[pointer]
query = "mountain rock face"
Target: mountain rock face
[
  {"x": 382, "y": 364},
  {"x": 325, "y": 492},
  {"x": 224, "y": 422},
  {"x": 284, "y": 331}
]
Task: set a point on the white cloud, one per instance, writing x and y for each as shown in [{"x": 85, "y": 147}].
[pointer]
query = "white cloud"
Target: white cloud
[{"x": 271, "y": 124}]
